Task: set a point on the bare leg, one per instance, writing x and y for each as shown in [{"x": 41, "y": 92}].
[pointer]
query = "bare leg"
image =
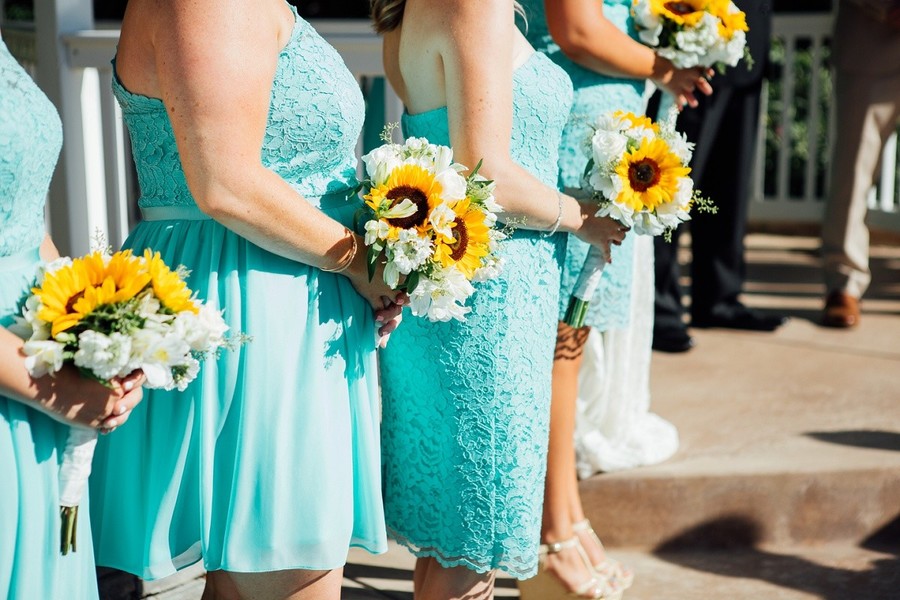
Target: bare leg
[
  {"x": 454, "y": 583},
  {"x": 292, "y": 584},
  {"x": 566, "y": 565},
  {"x": 420, "y": 574}
]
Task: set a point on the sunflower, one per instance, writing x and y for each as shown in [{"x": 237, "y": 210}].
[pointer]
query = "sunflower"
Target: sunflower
[
  {"x": 650, "y": 175},
  {"x": 730, "y": 22},
  {"x": 128, "y": 274},
  {"x": 469, "y": 242},
  {"x": 168, "y": 286},
  {"x": 682, "y": 12},
  {"x": 406, "y": 182},
  {"x": 63, "y": 290},
  {"x": 637, "y": 121}
]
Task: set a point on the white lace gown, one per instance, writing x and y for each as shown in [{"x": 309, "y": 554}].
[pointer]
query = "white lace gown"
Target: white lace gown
[{"x": 614, "y": 428}]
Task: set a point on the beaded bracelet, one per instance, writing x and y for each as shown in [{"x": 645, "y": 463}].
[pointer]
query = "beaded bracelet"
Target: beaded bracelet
[
  {"x": 342, "y": 266},
  {"x": 555, "y": 227}
]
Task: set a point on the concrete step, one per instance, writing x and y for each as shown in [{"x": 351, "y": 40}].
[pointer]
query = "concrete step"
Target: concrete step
[
  {"x": 829, "y": 572},
  {"x": 787, "y": 438}
]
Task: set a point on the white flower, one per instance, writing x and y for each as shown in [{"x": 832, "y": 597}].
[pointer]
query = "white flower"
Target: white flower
[
  {"x": 43, "y": 356},
  {"x": 650, "y": 25},
  {"x": 680, "y": 147},
  {"x": 491, "y": 267},
  {"x": 442, "y": 218},
  {"x": 204, "y": 331},
  {"x": 405, "y": 254},
  {"x": 453, "y": 185},
  {"x": 51, "y": 267},
  {"x": 443, "y": 159},
  {"x": 376, "y": 229},
  {"x": 148, "y": 305},
  {"x": 440, "y": 298},
  {"x": 192, "y": 367},
  {"x": 105, "y": 356},
  {"x": 608, "y": 146},
  {"x": 380, "y": 162},
  {"x": 160, "y": 356},
  {"x": 646, "y": 223}
]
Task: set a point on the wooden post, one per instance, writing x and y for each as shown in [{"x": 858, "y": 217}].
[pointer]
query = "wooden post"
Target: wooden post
[{"x": 68, "y": 202}]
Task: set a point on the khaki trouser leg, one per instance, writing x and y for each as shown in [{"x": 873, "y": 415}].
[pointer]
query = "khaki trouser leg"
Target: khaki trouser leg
[{"x": 867, "y": 109}]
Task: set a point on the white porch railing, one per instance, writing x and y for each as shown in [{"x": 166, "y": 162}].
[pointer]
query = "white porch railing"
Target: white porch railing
[
  {"x": 98, "y": 190},
  {"x": 797, "y": 129}
]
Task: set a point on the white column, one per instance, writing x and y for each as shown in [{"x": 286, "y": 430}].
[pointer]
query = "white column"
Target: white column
[{"x": 68, "y": 203}]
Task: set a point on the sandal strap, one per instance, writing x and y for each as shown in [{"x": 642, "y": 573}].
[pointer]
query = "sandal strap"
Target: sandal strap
[{"x": 556, "y": 547}]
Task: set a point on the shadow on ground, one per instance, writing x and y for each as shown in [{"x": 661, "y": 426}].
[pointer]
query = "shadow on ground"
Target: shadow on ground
[
  {"x": 860, "y": 438},
  {"x": 701, "y": 549}
]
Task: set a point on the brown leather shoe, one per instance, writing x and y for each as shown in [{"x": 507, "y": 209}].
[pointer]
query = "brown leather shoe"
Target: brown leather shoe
[{"x": 841, "y": 310}]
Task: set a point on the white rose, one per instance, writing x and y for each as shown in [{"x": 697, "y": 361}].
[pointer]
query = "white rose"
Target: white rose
[
  {"x": 608, "y": 146},
  {"x": 453, "y": 185}
]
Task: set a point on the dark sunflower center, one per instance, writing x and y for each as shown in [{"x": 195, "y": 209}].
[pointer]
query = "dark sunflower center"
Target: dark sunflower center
[
  {"x": 461, "y": 242},
  {"x": 70, "y": 305},
  {"x": 417, "y": 197},
  {"x": 643, "y": 174},
  {"x": 680, "y": 8}
]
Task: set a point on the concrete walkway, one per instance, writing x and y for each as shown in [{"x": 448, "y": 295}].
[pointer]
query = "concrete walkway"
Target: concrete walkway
[{"x": 787, "y": 482}]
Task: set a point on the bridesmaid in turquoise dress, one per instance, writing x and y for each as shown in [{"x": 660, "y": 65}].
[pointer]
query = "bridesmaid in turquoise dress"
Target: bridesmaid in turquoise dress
[
  {"x": 466, "y": 404},
  {"x": 270, "y": 460},
  {"x": 35, "y": 414},
  {"x": 596, "y": 44}
]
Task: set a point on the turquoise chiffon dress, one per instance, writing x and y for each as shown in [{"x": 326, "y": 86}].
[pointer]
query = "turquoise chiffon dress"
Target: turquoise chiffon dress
[
  {"x": 270, "y": 460},
  {"x": 467, "y": 404},
  {"x": 31, "y": 443},
  {"x": 595, "y": 94}
]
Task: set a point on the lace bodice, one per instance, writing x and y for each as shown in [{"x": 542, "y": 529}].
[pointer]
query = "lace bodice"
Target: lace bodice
[
  {"x": 540, "y": 95},
  {"x": 30, "y": 140},
  {"x": 315, "y": 117}
]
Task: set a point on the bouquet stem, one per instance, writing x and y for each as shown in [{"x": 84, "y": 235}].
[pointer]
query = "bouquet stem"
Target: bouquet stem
[
  {"x": 68, "y": 529},
  {"x": 585, "y": 287},
  {"x": 73, "y": 477}
]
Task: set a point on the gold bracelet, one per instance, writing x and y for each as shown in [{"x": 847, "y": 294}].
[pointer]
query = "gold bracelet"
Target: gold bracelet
[{"x": 346, "y": 262}]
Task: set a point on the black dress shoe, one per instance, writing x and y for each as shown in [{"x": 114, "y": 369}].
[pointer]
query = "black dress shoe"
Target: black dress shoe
[
  {"x": 738, "y": 316},
  {"x": 672, "y": 339}
]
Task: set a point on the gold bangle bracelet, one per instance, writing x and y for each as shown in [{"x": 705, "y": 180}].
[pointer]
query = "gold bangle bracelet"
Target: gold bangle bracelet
[{"x": 348, "y": 260}]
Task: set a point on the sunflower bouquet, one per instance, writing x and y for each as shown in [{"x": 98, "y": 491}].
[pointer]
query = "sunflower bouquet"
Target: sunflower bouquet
[
  {"x": 109, "y": 315},
  {"x": 693, "y": 33},
  {"x": 638, "y": 172},
  {"x": 430, "y": 226}
]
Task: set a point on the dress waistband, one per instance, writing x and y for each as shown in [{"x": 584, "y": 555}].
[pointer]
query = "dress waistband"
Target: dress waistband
[
  {"x": 190, "y": 212},
  {"x": 28, "y": 258}
]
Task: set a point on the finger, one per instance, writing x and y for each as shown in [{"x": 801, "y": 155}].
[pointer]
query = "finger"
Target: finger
[
  {"x": 704, "y": 86},
  {"x": 389, "y": 313},
  {"x": 133, "y": 380},
  {"x": 391, "y": 326},
  {"x": 401, "y": 299},
  {"x": 691, "y": 100},
  {"x": 382, "y": 341}
]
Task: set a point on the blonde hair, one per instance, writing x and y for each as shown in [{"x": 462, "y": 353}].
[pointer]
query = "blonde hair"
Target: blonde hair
[{"x": 387, "y": 14}]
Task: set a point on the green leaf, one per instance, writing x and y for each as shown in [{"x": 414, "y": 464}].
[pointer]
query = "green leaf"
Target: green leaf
[
  {"x": 372, "y": 261},
  {"x": 412, "y": 280}
]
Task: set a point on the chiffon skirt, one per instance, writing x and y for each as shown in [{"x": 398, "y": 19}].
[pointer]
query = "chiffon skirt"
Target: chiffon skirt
[
  {"x": 31, "y": 445},
  {"x": 270, "y": 460}
]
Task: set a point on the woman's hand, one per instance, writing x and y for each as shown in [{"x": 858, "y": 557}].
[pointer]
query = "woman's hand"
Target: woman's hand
[
  {"x": 682, "y": 83},
  {"x": 73, "y": 399},
  {"x": 387, "y": 303},
  {"x": 600, "y": 231}
]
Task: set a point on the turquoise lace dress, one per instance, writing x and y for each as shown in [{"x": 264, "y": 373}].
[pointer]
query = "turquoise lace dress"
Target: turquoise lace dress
[
  {"x": 467, "y": 404},
  {"x": 31, "y": 443},
  {"x": 595, "y": 94},
  {"x": 271, "y": 459}
]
